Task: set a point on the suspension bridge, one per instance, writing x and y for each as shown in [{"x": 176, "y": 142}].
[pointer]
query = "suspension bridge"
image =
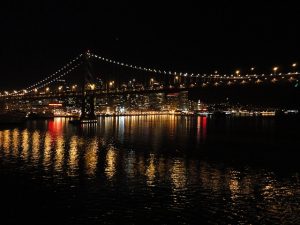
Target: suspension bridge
[{"x": 88, "y": 86}]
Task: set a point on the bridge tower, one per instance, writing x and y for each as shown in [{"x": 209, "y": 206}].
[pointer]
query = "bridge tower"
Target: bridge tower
[{"x": 88, "y": 93}]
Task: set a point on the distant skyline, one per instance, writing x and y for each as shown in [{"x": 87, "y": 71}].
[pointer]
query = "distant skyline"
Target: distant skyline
[{"x": 38, "y": 38}]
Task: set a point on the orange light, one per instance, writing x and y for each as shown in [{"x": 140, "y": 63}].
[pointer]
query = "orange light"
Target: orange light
[{"x": 55, "y": 104}]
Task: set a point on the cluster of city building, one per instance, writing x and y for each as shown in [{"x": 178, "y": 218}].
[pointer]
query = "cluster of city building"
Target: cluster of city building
[
  {"x": 143, "y": 104},
  {"x": 132, "y": 103}
]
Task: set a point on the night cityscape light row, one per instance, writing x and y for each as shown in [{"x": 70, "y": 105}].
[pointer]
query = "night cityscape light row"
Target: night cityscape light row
[{"x": 76, "y": 62}]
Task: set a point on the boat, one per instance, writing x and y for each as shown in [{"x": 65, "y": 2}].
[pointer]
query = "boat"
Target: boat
[{"x": 12, "y": 117}]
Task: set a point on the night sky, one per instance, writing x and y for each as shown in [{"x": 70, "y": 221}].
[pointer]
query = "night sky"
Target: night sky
[{"x": 37, "y": 38}]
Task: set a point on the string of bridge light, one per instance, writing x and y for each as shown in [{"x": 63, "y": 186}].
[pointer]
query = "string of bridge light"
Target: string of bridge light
[
  {"x": 203, "y": 84},
  {"x": 34, "y": 89},
  {"x": 211, "y": 76},
  {"x": 157, "y": 71},
  {"x": 33, "y": 86},
  {"x": 256, "y": 80},
  {"x": 237, "y": 74},
  {"x": 57, "y": 78},
  {"x": 216, "y": 76}
]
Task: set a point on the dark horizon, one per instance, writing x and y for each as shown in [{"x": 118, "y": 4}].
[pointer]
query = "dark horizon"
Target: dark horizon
[{"x": 39, "y": 38}]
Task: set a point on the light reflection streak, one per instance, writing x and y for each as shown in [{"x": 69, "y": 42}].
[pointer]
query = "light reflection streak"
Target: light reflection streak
[
  {"x": 1, "y": 138},
  {"x": 91, "y": 157},
  {"x": 36, "y": 146},
  {"x": 25, "y": 144},
  {"x": 234, "y": 187},
  {"x": 198, "y": 129},
  {"x": 59, "y": 153},
  {"x": 201, "y": 128},
  {"x": 47, "y": 151},
  {"x": 6, "y": 142},
  {"x": 73, "y": 155},
  {"x": 204, "y": 128},
  {"x": 178, "y": 175},
  {"x": 151, "y": 170},
  {"x": 16, "y": 142},
  {"x": 111, "y": 158},
  {"x": 121, "y": 128}
]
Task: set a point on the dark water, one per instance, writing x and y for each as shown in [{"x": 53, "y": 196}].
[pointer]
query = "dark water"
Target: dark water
[{"x": 151, "y": 170}]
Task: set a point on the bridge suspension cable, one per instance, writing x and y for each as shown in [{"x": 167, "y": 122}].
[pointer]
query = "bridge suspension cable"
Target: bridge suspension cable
[
  {"x": 235, "y": 76},
  {"x": 166, "y": 72},
  {"x": 141, "y": 68},
  {"x": 76, "y": 62},
  {"x": 53, "y": 76},
  {"x": 56, "y": 78}
]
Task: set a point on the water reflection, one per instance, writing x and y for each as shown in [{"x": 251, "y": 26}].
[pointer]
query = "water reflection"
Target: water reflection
[
  {"x": 151, "y": 171},
  {"x": 178, "y": 175},
  {"x": 6, "y": 142},
  {"x": 153, "y": 129},
  {"x": 152, "y": 152},
  {"x": 36, "y": 146},
  {"x": 233, "y": 183},
  {"x": 25, "y": 144},
  {"x": 91, "y": 157},
  {"x": 110, "y": 168},
  {"x": 55, "y": 127},
  {"x": 47, "y": 151},
  {"x": 59, "y": 153},
  {"x": 73, "y": 155},
  {"x": 16, "y": 142}
]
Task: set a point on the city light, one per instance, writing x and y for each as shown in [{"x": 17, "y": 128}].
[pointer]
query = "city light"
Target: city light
[
  {"x": 70, "y": 66},
  {"x": 151, "y": 81},
  {"x": 198, "y": 80},
  {"x": 274, "y": 80},
  {"x": 111, "y": 83},
  {"x": 92, "y": 86},
  {"x": 258, "y": 81},
  {"x": 55, "y": 104}
]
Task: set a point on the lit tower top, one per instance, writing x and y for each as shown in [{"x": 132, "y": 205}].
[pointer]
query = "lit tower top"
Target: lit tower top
[{"x": 87, "y": 54}]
